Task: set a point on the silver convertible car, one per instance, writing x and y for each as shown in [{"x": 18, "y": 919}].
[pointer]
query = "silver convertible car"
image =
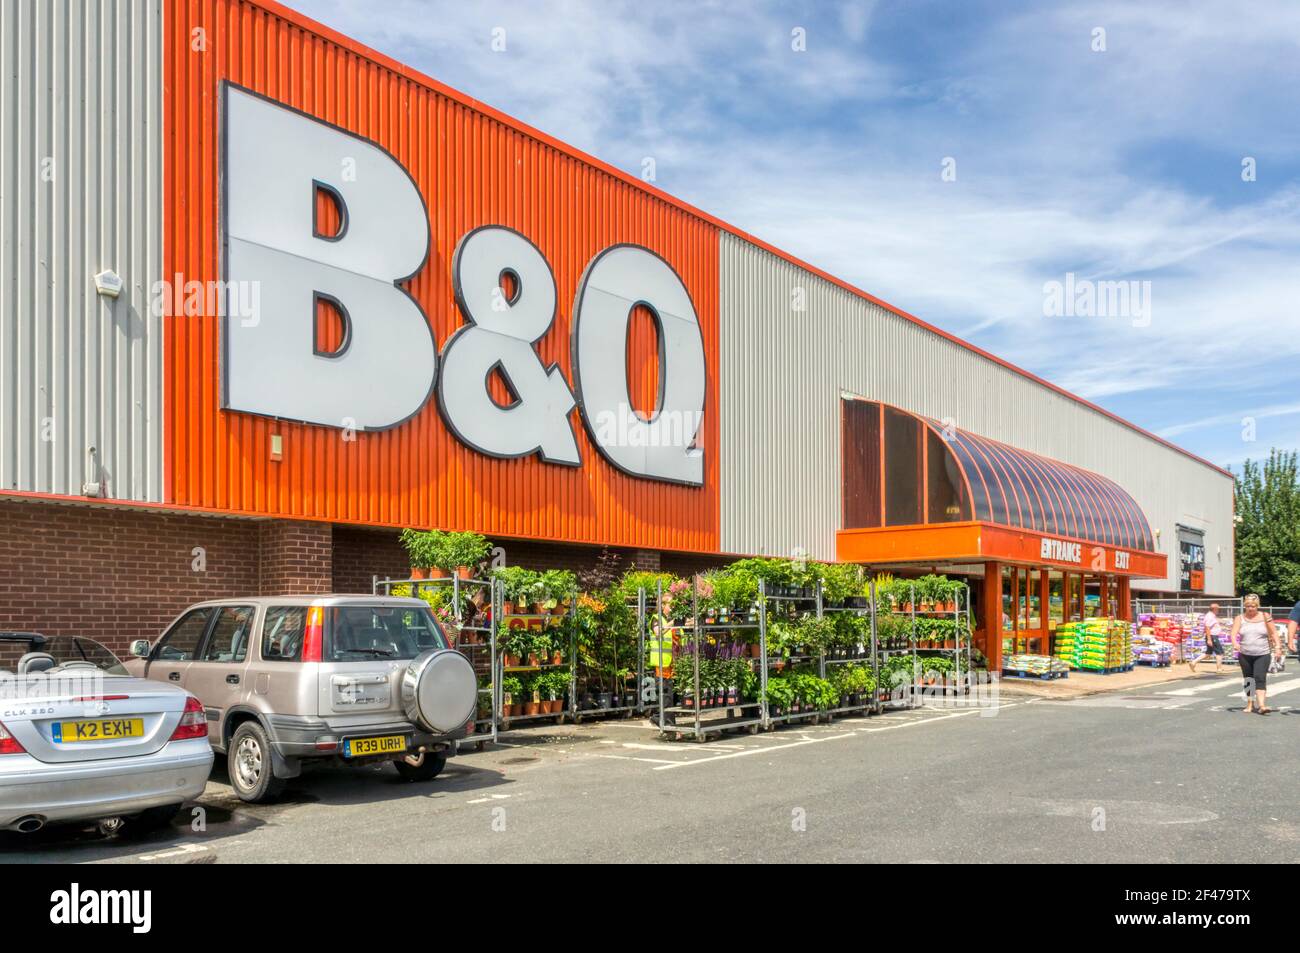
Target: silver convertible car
[{"x": 83, "y": 740}]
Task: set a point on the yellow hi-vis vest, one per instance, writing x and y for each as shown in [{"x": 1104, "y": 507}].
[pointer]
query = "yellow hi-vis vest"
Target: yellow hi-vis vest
[{"x": 659, "y": 645}]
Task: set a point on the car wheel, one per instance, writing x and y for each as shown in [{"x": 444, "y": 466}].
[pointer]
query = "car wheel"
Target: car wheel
[
  {"x": 249, "y": 762},
  {"x": 424, "y": 766},
  {"x": 154, "y": 818}
]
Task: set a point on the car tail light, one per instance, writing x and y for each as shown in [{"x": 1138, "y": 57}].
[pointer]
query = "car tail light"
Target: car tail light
[
  {"x": 311, "y": 639},
  {"x": 8, "y": 743},
  {"x": 194, "y": 723}
]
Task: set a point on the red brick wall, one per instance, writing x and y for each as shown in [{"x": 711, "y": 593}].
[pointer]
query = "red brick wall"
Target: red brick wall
[
  {"x": 115, "y": 575},
  {"x": 295, "y": 557},
  {"x": 121, "y": 574},
  {"x": 360, "y": 553}
]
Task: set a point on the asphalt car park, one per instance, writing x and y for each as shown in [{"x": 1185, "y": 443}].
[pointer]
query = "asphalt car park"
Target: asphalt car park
[{"x": 1021, "y": 781}]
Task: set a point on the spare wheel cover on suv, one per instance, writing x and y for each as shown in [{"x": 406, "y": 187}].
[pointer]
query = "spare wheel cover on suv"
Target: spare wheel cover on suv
[{"x": 439, "y": 690}]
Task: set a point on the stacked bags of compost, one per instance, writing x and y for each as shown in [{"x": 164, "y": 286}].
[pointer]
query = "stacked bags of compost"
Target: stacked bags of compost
[
  {"x": 1093, "y": 644},
  {"x": 1068, "y": 643},
  {"x": 1033, "y": 664}
]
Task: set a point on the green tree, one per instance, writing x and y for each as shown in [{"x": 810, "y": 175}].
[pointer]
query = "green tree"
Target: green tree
[{"x": 1268, "y": 529}]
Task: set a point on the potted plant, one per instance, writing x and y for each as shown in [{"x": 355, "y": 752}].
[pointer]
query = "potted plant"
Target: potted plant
[
  {"x": 532, "y": 697},
  {"x": 555, "y": 588},
  {"x": 518, "y": 588},
  {"x": 419, "y": 546},
  {"x": 515, "y": 646},
  {"x": 511, "y": 690},
  {"x": 458, "y": 553}
]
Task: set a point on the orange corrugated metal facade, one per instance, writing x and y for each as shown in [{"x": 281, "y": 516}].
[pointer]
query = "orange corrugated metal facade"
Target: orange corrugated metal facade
[{"x": 473, "y": 169}]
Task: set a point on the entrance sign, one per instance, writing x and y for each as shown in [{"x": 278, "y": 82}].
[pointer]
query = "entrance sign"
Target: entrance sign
[
  {"x": 1061, "y": 550},
  {"x": 275, "y": 162},
  {"x": 275, "y": 159}
]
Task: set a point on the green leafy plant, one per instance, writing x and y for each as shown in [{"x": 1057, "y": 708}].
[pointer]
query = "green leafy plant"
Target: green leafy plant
[
  {"x": 635, "y": 579},
  {"x": 513, "y": 687},
  {"x": 816, "y": 634},
  {"x": 839, "y": 580},
  {"x": 453, "y": 551},
  {"x": 557, "y": 586},
  {"x": 517, "y": 583},
  {"x": 420, "y": 546},
  {"x": 780, "y": 693}
]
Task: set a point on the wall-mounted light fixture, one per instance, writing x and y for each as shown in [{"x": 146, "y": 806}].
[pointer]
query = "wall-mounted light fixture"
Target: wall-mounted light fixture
[
  {"x": 108, "y": 283},
  {"x": 93, "y": 486}
]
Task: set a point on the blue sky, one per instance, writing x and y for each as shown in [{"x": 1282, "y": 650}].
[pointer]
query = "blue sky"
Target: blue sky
[{"x": 1122, "y": 164}]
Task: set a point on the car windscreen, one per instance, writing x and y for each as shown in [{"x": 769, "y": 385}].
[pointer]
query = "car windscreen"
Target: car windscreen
[
  {"x": 78, "y": 649},
  {"x": 359, "y": 632}
]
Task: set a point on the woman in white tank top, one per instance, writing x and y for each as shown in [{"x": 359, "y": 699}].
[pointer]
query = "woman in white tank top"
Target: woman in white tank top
[{"x": 1255, "y": 641}]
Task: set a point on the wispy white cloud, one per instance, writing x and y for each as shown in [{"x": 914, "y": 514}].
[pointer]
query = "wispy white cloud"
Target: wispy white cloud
[{"x": 1122, "y": 164}]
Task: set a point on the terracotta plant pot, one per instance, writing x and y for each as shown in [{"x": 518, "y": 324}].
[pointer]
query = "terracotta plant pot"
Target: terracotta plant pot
[
  {"x": 418, "y": 572},
  {"x": 508, "y": 607},
  {"x": 516, "y": 711},
  {"x": 436, "y": 573},
  {"x": 557, "y": 658},
  {"x": 532, "y": 659},
  {"x": 465, "y": 572},
  {"x": 532, "y": 708}
]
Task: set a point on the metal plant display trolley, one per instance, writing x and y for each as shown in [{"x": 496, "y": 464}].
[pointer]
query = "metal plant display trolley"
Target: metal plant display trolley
[
  {"x": 863, "y": 653},
  {"x": 476, "y": 637},
  {"x": 911, "y": 647},
  {"x": 741, "y": 638},
  {"x": 496, "y": 643},
  {"x": 521, "y": 657},
  {"x": 730, "y": 711}
]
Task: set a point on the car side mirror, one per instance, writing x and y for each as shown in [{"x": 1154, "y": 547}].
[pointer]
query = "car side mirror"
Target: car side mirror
[{"x": 140, "y": 648}]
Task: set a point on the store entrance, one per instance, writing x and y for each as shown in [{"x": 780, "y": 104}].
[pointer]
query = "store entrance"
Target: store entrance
[{"x": 1035, "y": 601}]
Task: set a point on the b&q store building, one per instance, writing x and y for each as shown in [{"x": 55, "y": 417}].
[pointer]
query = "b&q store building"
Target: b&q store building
[{"x": 352, "y": 300}]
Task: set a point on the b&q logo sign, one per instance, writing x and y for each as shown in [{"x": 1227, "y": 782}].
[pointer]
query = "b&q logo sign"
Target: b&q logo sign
[{"x": 388, "y": 366}]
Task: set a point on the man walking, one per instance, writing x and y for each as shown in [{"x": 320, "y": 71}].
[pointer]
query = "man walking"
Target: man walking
[{"x": 1213, "y": 646}]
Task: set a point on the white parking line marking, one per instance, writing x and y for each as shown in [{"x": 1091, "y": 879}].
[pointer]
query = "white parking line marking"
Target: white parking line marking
[
  {"x": 1272, "y": 689},
  {"x": 628, "y": 757},
  {"x": 1208, "y": 687},
  {"x": 743, "y": 754},
  {"x": 179, "y": 852}
]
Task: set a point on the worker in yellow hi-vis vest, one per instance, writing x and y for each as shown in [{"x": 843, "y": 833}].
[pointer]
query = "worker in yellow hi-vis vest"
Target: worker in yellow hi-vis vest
[{"x": 661, "y": 642}]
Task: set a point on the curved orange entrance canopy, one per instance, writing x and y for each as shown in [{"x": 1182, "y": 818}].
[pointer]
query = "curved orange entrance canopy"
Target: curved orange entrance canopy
[
  {"x": 918, "y": 491},
  {"x": 1013, "y": 487}
]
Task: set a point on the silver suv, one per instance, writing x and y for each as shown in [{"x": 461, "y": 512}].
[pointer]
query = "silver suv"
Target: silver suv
[{"x": 283, "y": 679}]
